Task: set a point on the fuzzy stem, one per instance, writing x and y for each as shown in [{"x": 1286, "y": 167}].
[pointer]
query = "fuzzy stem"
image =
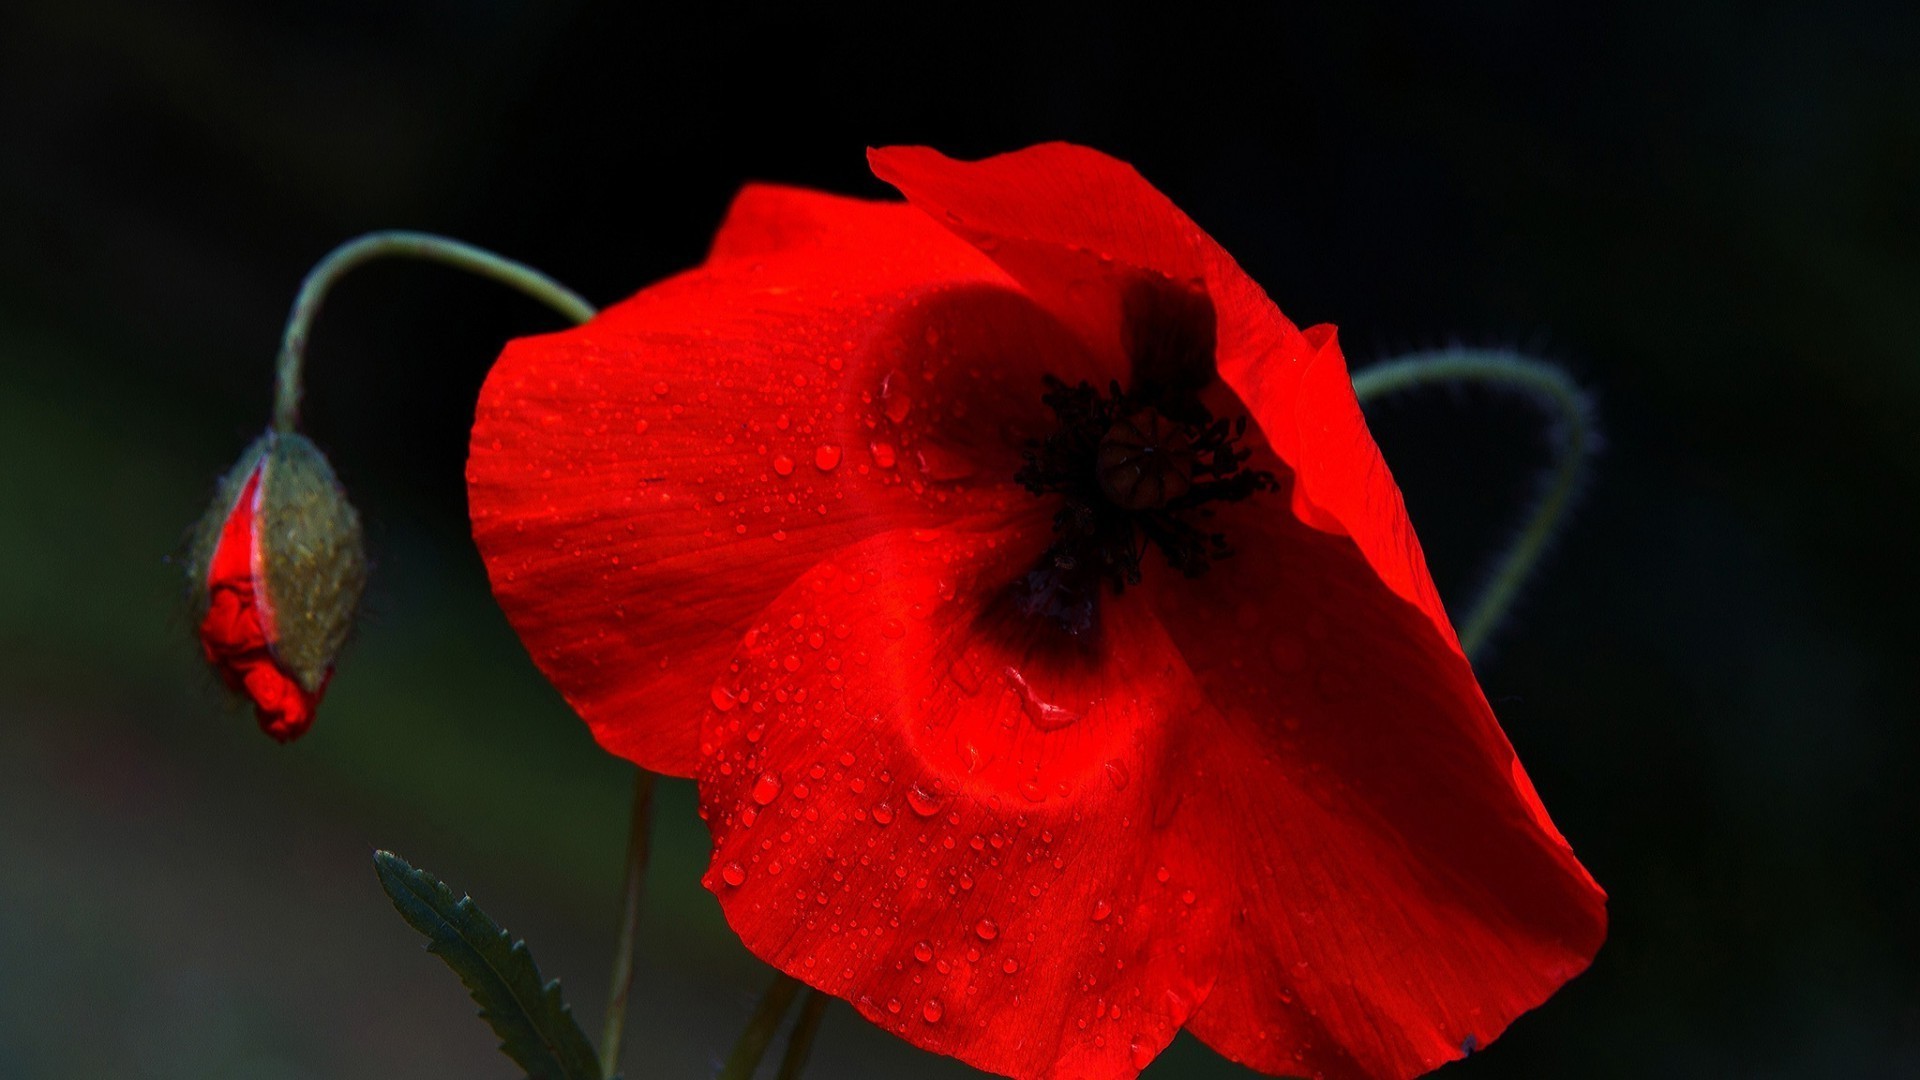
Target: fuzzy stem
[
  {"x": 410, "y": 245},
  {"x": 800, "y": 1043},
  {"x": 760, "y": 1029},
  {"x": 639, "y": 844},
  {"x": 1548, "y": 387}
]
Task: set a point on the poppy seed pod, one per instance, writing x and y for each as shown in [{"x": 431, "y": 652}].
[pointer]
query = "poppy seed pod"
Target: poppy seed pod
[{"x": 277, "y": 567}]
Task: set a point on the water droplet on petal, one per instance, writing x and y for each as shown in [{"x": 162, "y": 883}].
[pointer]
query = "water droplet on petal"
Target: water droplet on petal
[
  {"x": 932, "y": 1010},
  {"x": 1140, "y": 1052},
  {"x": 733, "y": 874},
  {"x": 1101, "y": 909},
  {"x": 827, "y": 458},
  {"x": 723, "y": 698},
  {"x": 987, "y": 929},
  {"x": 923, "y": 802},
  {"x": 1117, "y": 775},
  {"x": 923, "y": 952},
  {"x": 766, "y": 789},
  {"x": 882, "y": 814},
  {"x": 1010, "y": 966},
  {"x": 783, "y": 465},
  {"x": 894, "y": 398},
  {"x": 1045, "y": 715}
]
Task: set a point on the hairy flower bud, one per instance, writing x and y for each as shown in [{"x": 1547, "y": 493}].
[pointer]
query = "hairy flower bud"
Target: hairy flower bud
[{"x": 277, "y": 568}]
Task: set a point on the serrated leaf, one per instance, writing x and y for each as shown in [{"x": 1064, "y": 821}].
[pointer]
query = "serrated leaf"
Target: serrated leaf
[{"x": 535, "y": 1027}]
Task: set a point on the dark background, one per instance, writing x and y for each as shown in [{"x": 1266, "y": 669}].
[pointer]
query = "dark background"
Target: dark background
[{"x": 1707, "y": 211}]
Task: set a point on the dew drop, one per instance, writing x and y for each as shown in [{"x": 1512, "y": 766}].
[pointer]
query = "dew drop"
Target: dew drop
[
  {"x": 884, "y": 455},
  {"x": 882, "y": 814},
  {"x": 1010, "y": 966},
  {"x": 733, "y": 874},
  {"x": 986, "y": 929},
  {"x": 923, "y": 952},
  {"x": 1140, "y": 1052},
  {"x": 1045, "y": 715},
  {"x": 1101, "y": 909},
  {"x": 766, "y": 789},
  {"x": 933, "y": 1010},
  {"x": 783, "y": 465},
  {"x": 1117, "y": 775},
  {"x": 923, "y": 802},
  {"x": 1161, "y": 875},
  {"x": 827, "y": 458},
  {"x": 894, "y": 398},
  {"x": 723, "y": 698}
]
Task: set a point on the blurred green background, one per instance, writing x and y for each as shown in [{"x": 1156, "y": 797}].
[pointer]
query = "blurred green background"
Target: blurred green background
[{"x": 1708, "y": 211}]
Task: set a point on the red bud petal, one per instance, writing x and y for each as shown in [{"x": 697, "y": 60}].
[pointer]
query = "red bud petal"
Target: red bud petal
[{"x": 234, "y": 632}]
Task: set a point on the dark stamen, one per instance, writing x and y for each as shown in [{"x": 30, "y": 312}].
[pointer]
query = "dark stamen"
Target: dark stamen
[{"x": 1129, "y": 478}]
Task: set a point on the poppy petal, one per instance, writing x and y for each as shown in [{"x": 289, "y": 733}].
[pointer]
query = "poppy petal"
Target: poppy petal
[
  {"x": 1399, "y": 892},
  {"x": 641, "y": 486},
  {"x": 1061, "y": 219},
  {"x": 945, "y": 812}
]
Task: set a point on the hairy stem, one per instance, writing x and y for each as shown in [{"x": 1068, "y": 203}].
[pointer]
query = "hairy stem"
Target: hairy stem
[
  {"x": 1549, "y": 388},
  {"x": 760, "y": 1029},
  {"x": 639, "y": 845},
  {"x": 396, "y": 244},
  {"x": 800, "y": 1043}
]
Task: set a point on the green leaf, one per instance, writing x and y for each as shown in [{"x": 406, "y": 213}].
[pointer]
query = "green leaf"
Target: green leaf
[{"x": 535, "y": 1027}]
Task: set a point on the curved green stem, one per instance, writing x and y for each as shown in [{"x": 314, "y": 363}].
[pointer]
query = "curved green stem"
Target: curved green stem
[
  {"x": 752, "y": 1046},
  {"x": 800, "y": 1043},
  {"x": 409, "y": 245},
  {"x": 1548, "y": 387},
  {"x": 639, "y": 845}
]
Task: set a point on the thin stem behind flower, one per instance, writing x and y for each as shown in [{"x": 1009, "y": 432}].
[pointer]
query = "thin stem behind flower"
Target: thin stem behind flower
[
  {"x": 758, "y": 1035},
  {"x": 800, "y": 1043},
  {"x": 639, "y": 844},
  {"x": 407, "y": 245},
  {"x": 1545, "y": 385}
]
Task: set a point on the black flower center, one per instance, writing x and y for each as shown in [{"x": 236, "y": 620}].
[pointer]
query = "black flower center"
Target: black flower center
[{"x": 1136, "y": 468}]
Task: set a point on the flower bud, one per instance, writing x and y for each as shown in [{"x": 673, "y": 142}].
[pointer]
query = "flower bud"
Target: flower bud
[{"x": 277, "y": 568}]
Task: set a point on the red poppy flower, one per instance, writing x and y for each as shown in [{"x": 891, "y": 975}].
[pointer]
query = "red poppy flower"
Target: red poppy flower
[
  {"x": 278, "y": 569},
  {"x": 1047, "y": 636}
]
